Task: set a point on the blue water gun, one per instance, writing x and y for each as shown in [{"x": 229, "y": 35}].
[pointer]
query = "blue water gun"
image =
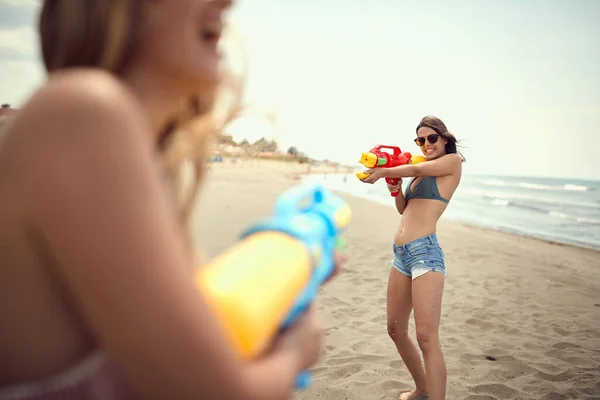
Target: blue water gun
[
  {"x": 264, "y": 283},
  {"x": 317, "y": 225}
]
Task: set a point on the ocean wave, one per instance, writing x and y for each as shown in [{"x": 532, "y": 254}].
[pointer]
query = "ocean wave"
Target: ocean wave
[
  {"x": 565, "y": 217},
  {"x": 495, "y": 182},
  {"x": 554, "y": 201},
  {"x": 579, "y": 188},
  {"x": 537, "y": 186},
  {"x": 501, "y": 202},
  {"x": 540, "y": 210},
  {"x": 584, "y": 220}
]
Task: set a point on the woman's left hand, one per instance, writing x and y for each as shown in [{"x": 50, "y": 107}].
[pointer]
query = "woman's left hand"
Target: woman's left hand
[
  {"x": 339, "y": 259},
  {"x": 374, "y": 175}
]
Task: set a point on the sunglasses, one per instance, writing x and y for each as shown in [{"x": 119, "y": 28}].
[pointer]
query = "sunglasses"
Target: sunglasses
[{"x": 433, "y": 138}]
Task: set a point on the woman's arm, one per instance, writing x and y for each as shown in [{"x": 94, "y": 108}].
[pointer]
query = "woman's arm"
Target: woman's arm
[
  {"x": 400, "y": 203},
  {"x": 399, "y": 200},
  {"x": 445, "y": 165},
  {"x": 95, "y": 195}
]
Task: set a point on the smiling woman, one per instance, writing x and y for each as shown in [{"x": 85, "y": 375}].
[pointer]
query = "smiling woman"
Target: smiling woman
[
  {"x": 424, "y": 134},
  {"x": 96, "y": 296},
  {"x": 418, "y": 274}
]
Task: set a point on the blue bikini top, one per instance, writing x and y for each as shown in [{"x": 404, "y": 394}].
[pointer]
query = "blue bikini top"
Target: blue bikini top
[{"x": 426, "y": 188}]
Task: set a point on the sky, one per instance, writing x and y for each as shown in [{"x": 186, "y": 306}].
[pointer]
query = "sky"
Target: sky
[{"x": 516, "y": 81}]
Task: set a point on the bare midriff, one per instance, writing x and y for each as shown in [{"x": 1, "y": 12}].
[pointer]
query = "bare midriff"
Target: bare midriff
[
  {"x": 421, "y": 216},
  {"x": 419, "y": 219}
]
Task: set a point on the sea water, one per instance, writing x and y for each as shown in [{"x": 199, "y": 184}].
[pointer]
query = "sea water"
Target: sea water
[{"x": 560, "y": 210}]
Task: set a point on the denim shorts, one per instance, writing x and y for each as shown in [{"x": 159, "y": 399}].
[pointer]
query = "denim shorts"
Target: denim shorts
[{"x": 415, "y": 258}]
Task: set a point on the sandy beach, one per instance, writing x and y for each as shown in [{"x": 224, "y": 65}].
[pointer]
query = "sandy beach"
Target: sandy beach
[{"x": 520, "y": 320}]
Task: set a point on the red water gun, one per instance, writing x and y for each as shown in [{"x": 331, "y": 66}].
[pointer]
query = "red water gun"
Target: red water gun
[{"x": 375, "y": 158}]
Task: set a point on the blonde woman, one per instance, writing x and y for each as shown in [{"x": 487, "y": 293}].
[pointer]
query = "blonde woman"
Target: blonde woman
[{"x": 96, "y": 295}]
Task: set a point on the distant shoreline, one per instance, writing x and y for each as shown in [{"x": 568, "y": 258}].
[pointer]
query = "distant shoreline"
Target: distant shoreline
[
  {"x": 490, "y": 229},
  {"x": 376, "y": 198},
  {"x": 301, "y": 171}
]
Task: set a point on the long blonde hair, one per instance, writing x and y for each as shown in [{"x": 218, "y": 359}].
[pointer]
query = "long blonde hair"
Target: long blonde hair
[{"x": 102, "y": 34}]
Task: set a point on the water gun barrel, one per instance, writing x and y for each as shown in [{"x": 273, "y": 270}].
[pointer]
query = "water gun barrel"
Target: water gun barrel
[
  {"x": 267, "y": 280},
  {"x": 375, "y": 158},
  {"x": 253, "y": 285}
]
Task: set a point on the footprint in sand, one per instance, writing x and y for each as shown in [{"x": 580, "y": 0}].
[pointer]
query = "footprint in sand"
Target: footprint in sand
[
  {"x": 371, "y": 280},
  {"x": 561, "y": 331},
  {"x": 497, "y": 390},
  {"x": 344, "y": 370},
  {"x": 480, "y": 324},
  {"x": 397, "y": 364},
  {"x": 564, "y": 376},
  {"x": 554, "y": 396},
  {"x": 357, "y": 280},
  {"x": 565, "y": 345},
  {"x": 379, "y": 319}
]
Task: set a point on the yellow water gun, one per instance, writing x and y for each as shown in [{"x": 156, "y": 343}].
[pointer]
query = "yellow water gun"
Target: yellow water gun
[{"x": 266, "y": 281}]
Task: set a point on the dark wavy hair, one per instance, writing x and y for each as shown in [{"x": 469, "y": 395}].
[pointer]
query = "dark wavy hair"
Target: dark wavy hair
[{"x": 440, "y": 128}]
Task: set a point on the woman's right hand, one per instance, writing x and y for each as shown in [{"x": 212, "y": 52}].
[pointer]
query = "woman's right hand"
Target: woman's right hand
[
  {"x": 394, "y": 188},
  {"x": 303, "y": 340}
]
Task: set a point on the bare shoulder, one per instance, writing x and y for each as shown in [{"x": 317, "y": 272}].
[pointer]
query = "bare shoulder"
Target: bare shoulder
[
  {"x": 93, "y": 87},
  {"x": 81, "y": 105},
  {"x": 80, "y": 126},
  {"x": 454, "y": 158},
  {"x": 455, "y": 162},
  {"x": 83, "y": 112}
]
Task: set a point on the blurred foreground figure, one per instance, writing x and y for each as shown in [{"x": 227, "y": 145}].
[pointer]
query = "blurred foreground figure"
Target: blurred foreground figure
[{"x": 97, "y": 299}]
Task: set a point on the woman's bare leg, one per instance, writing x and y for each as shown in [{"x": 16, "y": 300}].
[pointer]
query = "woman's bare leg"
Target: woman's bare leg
[
  {"x": 427, "y": 301},
  {"x": 399, "y": 306}
]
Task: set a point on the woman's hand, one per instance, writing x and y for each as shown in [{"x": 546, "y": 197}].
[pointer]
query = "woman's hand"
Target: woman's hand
[
  {"x": 374, "y": 175},
  {"x": 296, "y": 349},
  {"x": 395, "y": 188},
  {"x": 339, "y": 259},
  {"x": 303, "y": 340},
  {"x": 305, "y": 337}
]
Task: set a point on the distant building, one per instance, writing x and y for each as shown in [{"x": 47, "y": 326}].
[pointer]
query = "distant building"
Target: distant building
[{"x": 6, "y": 112}]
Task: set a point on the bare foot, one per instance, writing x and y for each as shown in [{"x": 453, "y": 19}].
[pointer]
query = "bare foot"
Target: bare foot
[{"x": 414, "y": 395}]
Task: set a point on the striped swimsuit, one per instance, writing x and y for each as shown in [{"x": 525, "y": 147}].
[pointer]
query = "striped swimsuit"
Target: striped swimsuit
[{"x": 94, "y": 378}]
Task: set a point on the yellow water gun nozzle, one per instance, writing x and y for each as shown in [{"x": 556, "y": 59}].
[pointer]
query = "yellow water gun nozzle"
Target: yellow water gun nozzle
[
  {"x": 368, "y": 159},
  {"x": 362, "y": 175}
]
